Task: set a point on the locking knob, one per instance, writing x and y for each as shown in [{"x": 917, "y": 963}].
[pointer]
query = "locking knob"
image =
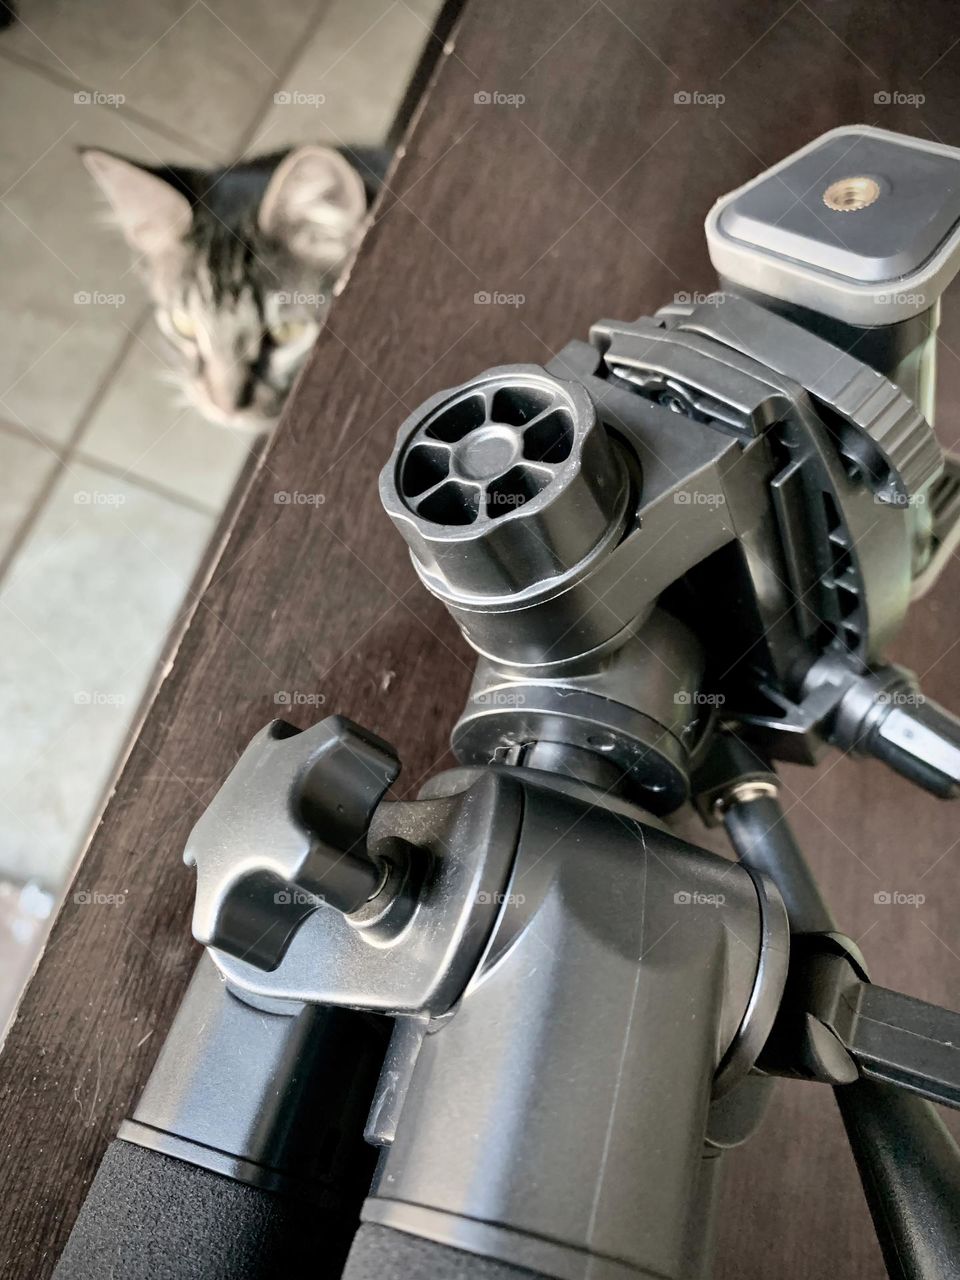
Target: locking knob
[
  {"x": 286, "y": 834},
  {"x": 503, "y": 483}
]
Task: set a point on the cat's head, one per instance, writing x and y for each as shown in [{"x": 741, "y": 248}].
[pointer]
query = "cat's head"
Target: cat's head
[{"x": 241, "y": 265}]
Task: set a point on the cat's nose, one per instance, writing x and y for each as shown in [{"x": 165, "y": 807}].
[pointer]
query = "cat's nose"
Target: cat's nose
[{"x": 230, "y": 390}]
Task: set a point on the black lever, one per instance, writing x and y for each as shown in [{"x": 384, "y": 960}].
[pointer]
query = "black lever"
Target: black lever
[{"x": 835, "y": 1025}]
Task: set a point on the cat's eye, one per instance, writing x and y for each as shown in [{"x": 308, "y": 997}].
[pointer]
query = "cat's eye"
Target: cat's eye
[
  {"x": 285, "y": 331},
  {"x": 182, "y": 323}
]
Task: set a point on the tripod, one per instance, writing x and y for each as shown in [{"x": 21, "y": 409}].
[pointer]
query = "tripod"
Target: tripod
[{"x": 680, "y": 550}]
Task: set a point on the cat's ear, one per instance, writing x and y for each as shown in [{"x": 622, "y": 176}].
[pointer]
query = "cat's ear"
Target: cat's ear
[
  {"x": 314, "y": 203},
  {"x": 152, "y": 214}
]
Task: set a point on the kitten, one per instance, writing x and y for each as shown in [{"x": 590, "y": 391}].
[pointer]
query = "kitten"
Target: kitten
[{"x": 242, "y": 262}]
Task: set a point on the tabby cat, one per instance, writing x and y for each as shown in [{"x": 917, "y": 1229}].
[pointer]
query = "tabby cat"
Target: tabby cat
[{"x": 242, "y": 262}]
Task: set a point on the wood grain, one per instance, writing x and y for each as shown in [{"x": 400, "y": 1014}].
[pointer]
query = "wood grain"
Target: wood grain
[{"x": 588, "y": 200}]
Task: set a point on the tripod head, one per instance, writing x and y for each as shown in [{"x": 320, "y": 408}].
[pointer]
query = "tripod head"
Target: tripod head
[
  {"x": 717, "y": 515},
  {"x": 680, "y": 550}
]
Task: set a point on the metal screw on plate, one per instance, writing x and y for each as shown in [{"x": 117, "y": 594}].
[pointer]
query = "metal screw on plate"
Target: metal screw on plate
[{"x": 850, "y": 195}]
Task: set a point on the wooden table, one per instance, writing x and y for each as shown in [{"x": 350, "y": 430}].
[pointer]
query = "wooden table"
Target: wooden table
[{"x": 587, "y": 199}]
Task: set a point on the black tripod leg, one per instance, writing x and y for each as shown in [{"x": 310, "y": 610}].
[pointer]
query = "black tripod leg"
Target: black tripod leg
[
  {"x": 763, "y": 840},
  {"x": 910, "y": 1169},
  {"x": 245, "y": 1156},
  {"x": 382, "y": 1253},
  {"x": 149, "y": 1216},
  {"x": 908, "y": 1162}
]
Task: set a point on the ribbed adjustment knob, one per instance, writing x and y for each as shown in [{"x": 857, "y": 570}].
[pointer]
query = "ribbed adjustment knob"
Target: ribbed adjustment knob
[{"x": 503, "y": 482}]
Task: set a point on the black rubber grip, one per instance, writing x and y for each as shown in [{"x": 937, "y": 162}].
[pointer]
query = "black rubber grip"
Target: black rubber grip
[
  {"x": 150, "y": 1217},
  {"x": 382, "y": 1253}
]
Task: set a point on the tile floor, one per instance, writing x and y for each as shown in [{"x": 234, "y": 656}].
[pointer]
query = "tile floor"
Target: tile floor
[{"x": 109, "y": 490}]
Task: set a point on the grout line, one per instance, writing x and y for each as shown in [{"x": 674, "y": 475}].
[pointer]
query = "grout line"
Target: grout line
[
  {"x": 29, "y": 521},
  {"x": 151, "y": 486},
  {"x": 105, "y": 381},
  {"x": 66, "y": 453},
  {"x": 61, "y": 80},
  {"x": 111, "y": 469},
  {"x": 287, "y": 65}
]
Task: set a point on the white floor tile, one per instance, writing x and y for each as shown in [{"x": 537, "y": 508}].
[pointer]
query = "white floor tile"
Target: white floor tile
[
  {"x": 69, "y": 293},
  {"x": 83, "y": 616},
  {"x": 359, "y": 62},
  {"x": 24, "y": 466},
  {"x": 142, "y": 427},
  {"x": 199, "y": 66},
  {"x": 25, "y": 912}
]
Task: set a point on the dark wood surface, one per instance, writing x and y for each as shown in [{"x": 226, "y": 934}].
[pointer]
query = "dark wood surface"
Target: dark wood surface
[{"x": 587, "y": 199}]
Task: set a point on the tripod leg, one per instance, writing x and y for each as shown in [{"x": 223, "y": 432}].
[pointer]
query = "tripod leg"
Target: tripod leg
[
  {"x": 383, "y": 1253},
  {"x": 762, "y": 838},
  {"x": 908, "y": 1162},
  {"x": 245, "y": 1155},
  {"x": 910, "y": 1169}
]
